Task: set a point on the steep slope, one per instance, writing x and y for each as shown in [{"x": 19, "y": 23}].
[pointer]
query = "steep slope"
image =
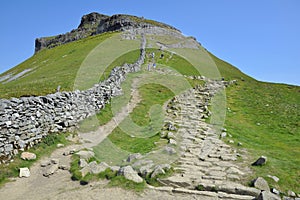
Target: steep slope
[{"x": 264, "y": 117}]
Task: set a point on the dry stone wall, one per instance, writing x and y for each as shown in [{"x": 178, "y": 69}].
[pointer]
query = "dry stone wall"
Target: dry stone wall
[{"x": 25, "y": 121}]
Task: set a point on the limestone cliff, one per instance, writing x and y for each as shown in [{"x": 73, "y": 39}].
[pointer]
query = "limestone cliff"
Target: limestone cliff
[{"x": 95, "y": 23}]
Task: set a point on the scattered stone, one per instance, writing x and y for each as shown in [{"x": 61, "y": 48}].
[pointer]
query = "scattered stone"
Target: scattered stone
[
  {"x": 130, "y": 174},
  {"x": 28, "y": 156},
  {"x": 240, "y": 144},
  {"x": 170, "y": 150},
  {"x": 261, "y": 184},
  {"x": 82, "y": 163},
  {"x": 231, "y": 141},
  {"x": 170, "y": 135},
  {"x": 157, "y": 171},
  {"x": 172, "y": 142},
  {"x": 97, "y": 168},
  {"x": 24, "y": 172},
  {"x": 275, "y": 191},
  {"x": 45, "y": 163},
  {"x": 115, "y": 168},
  {"x": 266, "y": 195},
  {"x": 134, "y": 156},
  {"x": 223, "y": 134},
  {"x": 51, "y": 170},
  {"x": 291, "y": 193},
  {"x": 275, "y": 178},
  {"x": 84, "y": 171},
  {"x": 55, "y": 161},
  {"x": 85, "y": 154},
  {"x": 60, "y": 145},
  {"x": 260, "y": 161},
  {"x": 63, "y": 167}
]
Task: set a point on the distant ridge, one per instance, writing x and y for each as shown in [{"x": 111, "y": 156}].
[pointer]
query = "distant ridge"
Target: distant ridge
[{"x": 95, "y": 23}]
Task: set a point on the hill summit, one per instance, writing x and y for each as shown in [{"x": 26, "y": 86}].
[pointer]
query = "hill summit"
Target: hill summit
[{"x": 94, "y": 24}]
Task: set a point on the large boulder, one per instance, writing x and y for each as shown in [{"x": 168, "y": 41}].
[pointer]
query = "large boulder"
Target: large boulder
[{"x": 129, "y": 173}]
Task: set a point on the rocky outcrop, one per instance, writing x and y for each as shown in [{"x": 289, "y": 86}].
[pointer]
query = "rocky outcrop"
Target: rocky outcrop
[
  {"x": 95, "y": 23},
  {"x": 25, "y": 121}
]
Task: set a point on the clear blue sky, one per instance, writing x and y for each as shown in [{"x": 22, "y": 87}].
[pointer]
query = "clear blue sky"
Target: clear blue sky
[{"x": 260, "y": 37}]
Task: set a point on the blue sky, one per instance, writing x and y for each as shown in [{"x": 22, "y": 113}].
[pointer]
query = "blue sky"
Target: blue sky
[{"x": 260, "y": 37}]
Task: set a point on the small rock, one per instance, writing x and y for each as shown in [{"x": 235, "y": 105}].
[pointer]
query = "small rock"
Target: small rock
[
  {"x": 134, "y": 156},
  {"x": 55, "y": 161},
  {"x": 267, "y": 195},
  {"x": 170, "y": 150},
  {"x": 82, "y": 163},
  {"x": 260, "y": 161},
  {"x": 60, "y": 145},
  {"x": 28, "y": 156},
  {"x": 51, "y": 170},
  {"x": 291, "y": 193},
  {"x": 275, "y": 191},
  {"x": 84, "y": 171},
  {"x": 115, "y": 168},
  {"x": 172, "y": 142},
  {"x": 130, "y": 174},
  {"x": 223, "y": 134},
  {"x": 24, "y": 172},
  {"x": 45, "y": 163},
  {"x": 240, "y": 144},
  {"x": 63, "y": 167},
  {"x": 170, "y": 135},
  {"x": 261, "y": 184},
  {"x": 157, "y": 171},
  {"x": 275, "y": 178},
  {"x": 85, "y": 154},
  {"x": 98, "y": 168},
  {"x": 231, "y": 141}
]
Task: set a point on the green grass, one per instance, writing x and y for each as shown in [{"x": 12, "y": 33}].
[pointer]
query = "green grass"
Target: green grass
[
  {"x": 44, "y": 148},
  {"x": 51, "y": 68},
  {"x": 265, "y": 117}
]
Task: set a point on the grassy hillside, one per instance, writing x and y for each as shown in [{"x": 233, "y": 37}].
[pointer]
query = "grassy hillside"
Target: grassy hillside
[{"x": 264, "y": 117}]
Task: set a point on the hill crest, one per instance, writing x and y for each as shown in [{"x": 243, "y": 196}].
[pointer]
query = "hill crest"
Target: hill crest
[{"x": 94, "y": 24}]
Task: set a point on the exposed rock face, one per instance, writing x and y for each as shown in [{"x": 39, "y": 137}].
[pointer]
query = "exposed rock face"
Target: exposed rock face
[
  {"x": 95, "y": 23},
  {"x": 87, "y": 27}
]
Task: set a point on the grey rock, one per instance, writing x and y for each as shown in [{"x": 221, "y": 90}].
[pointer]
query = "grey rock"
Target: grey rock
[
  {"x": 24, "y": 172},
  {"x": 170, "y": 150},
  {"x": 84, "y": 171},
  {"x": 60, "y": 145},
  {"x": 51, "y": 170},
  {"x": 261, "y": 183},
  {"x": 266, "y": 195},
  {"x": 97, "y": 168},
  {"x": 134, "y": 156},
  {"x": 85, "y": 154},
  {"x": 82, "y": 163},
  {"x": 158, "y": 170},
  {"x": 45, "y": 163},
  {"x": 172, "y": 142},
  {"x": 130, "y": 174},
  {"x": 260, "y": 161},
  {"x": 275, "y": 178},
  {"x": 115, "y": 168},
  {"x": 275, "y": 191},
  {"x": 291, "y": 193},
  {"x": 64, "y": 167},
  {"x": 55, "y": 161}
]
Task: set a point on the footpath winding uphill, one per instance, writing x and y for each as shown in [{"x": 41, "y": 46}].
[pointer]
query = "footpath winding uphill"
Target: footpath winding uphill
[{"x": 205, "y": 162}]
